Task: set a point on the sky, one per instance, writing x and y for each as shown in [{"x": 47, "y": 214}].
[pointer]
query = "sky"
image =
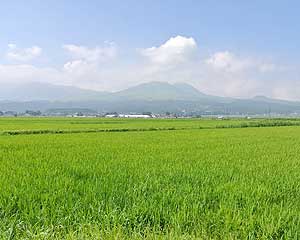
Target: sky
[{"x": 226, "y": 48}]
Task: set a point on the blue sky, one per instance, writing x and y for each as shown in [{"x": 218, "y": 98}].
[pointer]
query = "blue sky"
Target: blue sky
[{"x": 246, "y": 32}]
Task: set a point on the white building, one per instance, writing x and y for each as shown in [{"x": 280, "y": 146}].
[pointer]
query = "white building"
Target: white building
[{"x": 134, "y": 116}]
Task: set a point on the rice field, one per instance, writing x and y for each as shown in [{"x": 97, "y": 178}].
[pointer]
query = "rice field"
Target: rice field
[{"x": 149, "y": 179}]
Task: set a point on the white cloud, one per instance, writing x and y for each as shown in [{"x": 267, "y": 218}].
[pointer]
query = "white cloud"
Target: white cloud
[
  {"x": 87, "y": 64},
  {"x": 175, "y": 50},
  {"x": 237, "y": 76},
  {"x": 97, "y": 54},
  {"x": 82, "y": 73},
  {"x": 23, "y": 54},
  {"x": 12, "y": 46},
  {"x": 229, "y": 62},
  {"x": 78, "y": 67},
  {"x": 22, "y": 73},
  {"x": 222, "y": 73},
  {"x": 268, "y": 67}
]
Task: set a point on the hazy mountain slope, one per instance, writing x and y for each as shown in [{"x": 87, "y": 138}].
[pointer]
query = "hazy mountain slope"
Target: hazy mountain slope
[
  {"x": 161, "y": 91},
  {"x": 176, "y": 106},
  {"x": 153, "y": 91},
  {"x": 44, "y": 91},
  {"x": 155, "y": 97},
  {"x": 275, "y": 101}
]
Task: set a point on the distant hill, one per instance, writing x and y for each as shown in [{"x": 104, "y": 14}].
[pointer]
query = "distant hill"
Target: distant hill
[
  {"x": 156, "y": 97},
  {"x": 153, "y": 91},
  {"x": 50, "y": 92}
]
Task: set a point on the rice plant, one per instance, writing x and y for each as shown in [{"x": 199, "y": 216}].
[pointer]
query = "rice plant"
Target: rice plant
[{"x": 193, "y": 181}]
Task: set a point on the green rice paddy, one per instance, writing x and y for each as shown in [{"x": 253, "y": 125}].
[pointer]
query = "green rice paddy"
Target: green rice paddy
[{"x": 79, "y": 178}]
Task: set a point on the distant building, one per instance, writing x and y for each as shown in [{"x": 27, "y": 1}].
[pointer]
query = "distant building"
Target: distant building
[
  {"x": 111, "y": 115},
  {"x": 32, "y": 113},
  {"x": 10, "y": 114},
  {"x": 134, "y": 116}
]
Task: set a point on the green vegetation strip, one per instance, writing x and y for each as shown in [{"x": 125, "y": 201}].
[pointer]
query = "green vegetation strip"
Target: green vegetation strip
[
  {"x": 51, "y": 131},
  {"x": 265, "y": 123}
]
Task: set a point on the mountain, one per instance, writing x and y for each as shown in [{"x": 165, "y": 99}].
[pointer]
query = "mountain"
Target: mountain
[
  {"x": 157, "y": 91},
  {"x": 50, "y": 92},
  {"x": 152, "y": 91},
  {"x": 273, "y": 101},
  {"x": 156, "y": 97}
]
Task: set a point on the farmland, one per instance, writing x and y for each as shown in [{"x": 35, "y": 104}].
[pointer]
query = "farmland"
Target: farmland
[{"x": 78, "y": 178}]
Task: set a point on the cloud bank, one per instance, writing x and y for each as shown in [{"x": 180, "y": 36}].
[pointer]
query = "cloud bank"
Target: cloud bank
[
  {"x": 178, "y": 59},
  {"x": 23, "y": 54},
  {"x": 176, "y": 50}
]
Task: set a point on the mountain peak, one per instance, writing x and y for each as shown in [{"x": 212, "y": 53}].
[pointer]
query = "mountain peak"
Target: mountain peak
[
  {"x": 161, "y": 91},
  {"x": 261, "y": 98}
]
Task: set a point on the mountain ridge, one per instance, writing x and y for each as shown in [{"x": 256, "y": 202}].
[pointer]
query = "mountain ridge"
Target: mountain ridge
[
  {"x": 154, "y": 90},
  {"x": 154, "y": 97},
  {"x": 161, "y": 91}
]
